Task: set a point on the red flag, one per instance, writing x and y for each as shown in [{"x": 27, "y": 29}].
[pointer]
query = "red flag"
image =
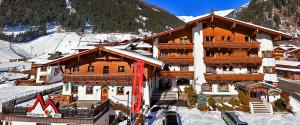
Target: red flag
[{"x": 137, "y": 87}]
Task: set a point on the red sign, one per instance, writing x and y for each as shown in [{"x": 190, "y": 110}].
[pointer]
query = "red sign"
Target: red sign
[
  {"x": 137, "y": 87},
  {"x": 42, "y": 109}
]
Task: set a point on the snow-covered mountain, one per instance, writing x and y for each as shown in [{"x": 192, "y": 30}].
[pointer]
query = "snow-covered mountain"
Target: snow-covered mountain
[
  {"x": 283, "y": 15},
  {"x": 191, "y": 18},
  {"x": 62, "y": 42}
]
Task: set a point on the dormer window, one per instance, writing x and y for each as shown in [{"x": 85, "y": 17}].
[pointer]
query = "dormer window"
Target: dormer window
[
  {"x": 248, "y": 39},
  {"x": 228, "y": 38},
  {"x": 91, "y": 68},
  {"x": 209, "y": 39},
  {"x": 184, "y": 40}
]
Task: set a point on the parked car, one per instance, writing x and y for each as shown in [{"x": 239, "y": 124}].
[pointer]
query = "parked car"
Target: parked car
[
  {"x": 231, "y": 118},
  {"x": 171, "y": 118}
]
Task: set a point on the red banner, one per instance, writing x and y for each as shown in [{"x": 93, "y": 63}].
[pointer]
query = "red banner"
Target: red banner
[{"x": 137, "y": 87}]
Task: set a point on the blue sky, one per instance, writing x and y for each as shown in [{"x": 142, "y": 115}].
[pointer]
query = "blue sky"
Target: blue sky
[{"x": 196, "y": 7}]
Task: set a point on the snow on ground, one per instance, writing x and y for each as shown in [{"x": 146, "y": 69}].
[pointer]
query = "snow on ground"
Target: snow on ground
[
  {"x": 191, "y": 18},
  {"x": 11, "y": 76},
  {"x": 20, "y": 66},
  {"x": 295, "y": 104},
  {"x": 62, "y": 42},
  {"x": 195, "y": 117},
  {"x": 10, "y": 92},
  {"x": 6, "y": 53}
]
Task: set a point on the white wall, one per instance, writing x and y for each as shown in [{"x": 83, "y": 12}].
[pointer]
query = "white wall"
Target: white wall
[
  {"x": 266, "y": 44},
  {"x": 177, "y": 68},
  {"x": 215, "y": 91},
  {"x": 155, "y": 49},
  {"x": 49, "y": 73},
  {"x": 198, "y": 53}
]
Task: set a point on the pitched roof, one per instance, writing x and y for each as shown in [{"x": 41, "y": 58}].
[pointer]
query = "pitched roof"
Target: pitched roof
[
  {"x": 124, "y": 53},
  {"x": 247, "y": 24}
]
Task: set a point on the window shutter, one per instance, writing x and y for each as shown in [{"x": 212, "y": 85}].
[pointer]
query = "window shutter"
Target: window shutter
[
  {"x": 265, "y": 69},
  {"x": 264, "y": 54},
  {"x": 274, "y": 70},
  {"x": 272, "y": 54}
]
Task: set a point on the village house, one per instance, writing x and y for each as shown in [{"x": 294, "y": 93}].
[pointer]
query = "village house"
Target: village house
[{"x": 214, "y": 53}]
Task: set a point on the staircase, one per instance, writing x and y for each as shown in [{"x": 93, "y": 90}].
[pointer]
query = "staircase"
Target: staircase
[
  {"x": 261, "y": 107},
  {"x": 164, "y": 95}
]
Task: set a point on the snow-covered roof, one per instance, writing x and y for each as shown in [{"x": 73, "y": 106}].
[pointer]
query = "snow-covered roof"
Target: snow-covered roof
[
  {"x": 143, "y": 45},
  {"x": 84, "y": 47},
  {"x": 287, "y": 63},
  {"x": 286, "y": 46},
  {"x": 142, "y": 52},
  {"x": 111, "y": 49},
  {"x": 138, "y": 56},
  {"x": 288, "y": 69}
]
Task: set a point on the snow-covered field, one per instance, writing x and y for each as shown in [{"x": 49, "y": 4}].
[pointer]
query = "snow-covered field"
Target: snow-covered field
[
  {"x": 6, "y": 53},
  {"x": 195, "y": 117},
  {"x": 10, "y": 92}
]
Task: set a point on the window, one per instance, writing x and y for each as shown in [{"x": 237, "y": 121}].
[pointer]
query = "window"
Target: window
[
  {"x": 209, "y": 38},
  {"x": 67, "y": 86},
  {"x": 105, "y": 69},
  {"x": 269, "y": 70},
  {"x": 56, "y": 71},
  {"x": 224, "y": 68},
  {"x": 163, "y": 53},
  {"x": 223, "y": 88},
  {"x": 74, "y": 89},
  {"x": 75, "y": 68},
  {"x": 183, "y": 53},
  {"x": 43, "y": 69},
  {"x": 184, "y": 40},
  {"x": 90, "y": 68},
  {"x": 248, "y": 39},
  {"x": 206, "y": 87},
  {"x": 120, "y": 90},
  {"x": 223, "y": 38},
  {"x": 228, "y": 38},
  {"x": 184, "y": 67},
  {"x": 43, "y": 78},
  {"x": 121, "y": 68},
  {"x": 230, "y": 68},
  {"x": 89, "y": 90},
  {"x": 267, "y": 54}
]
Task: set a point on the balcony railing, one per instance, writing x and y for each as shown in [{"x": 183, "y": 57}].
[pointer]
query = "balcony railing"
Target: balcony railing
[
  {"x": 234, "y": 77},
  {"x": 177, "y": 74},
  {"x": 230, "y": 45},
  {"x": 177, "y": 59},
  {"x": 232, "y": 60},
  {"x": 175, "y": 46},
  {"x": 98, "y": 78}
]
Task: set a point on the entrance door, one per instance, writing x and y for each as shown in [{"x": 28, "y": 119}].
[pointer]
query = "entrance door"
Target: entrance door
[{"x": 104, "y": 93}]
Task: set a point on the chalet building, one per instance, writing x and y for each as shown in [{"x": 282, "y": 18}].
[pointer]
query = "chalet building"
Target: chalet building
[
  {"x": 213, "y": 53},
  {"x": 285, "y": 52},
  {"x": 105, "y": 73},
  {"x": 288, "y": 69},
  {"x": 294, "y": 54}
]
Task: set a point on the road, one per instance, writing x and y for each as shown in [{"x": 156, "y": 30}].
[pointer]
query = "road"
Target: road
[{"x": 294, "y": 88}]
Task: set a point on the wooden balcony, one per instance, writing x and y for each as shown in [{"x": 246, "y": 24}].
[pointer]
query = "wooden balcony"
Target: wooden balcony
[
  {"x": 174, "y": 46},
  {"x": 234, "y": 77},
  {"x": 232, "y": 60},
  {"x": 230, "y": 45},
  {"x": 177, "y": 74},
  {"x": 120, "y": 78},
  {"x": 177, "y": 59}
]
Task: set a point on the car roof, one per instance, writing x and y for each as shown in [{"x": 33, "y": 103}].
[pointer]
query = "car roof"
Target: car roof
[{"x": 235, "y": 116}]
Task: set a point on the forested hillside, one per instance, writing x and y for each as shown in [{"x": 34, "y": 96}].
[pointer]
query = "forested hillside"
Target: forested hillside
[
  {"x": 104, "y": 15},
  {"x": 281, "y": 15}
]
